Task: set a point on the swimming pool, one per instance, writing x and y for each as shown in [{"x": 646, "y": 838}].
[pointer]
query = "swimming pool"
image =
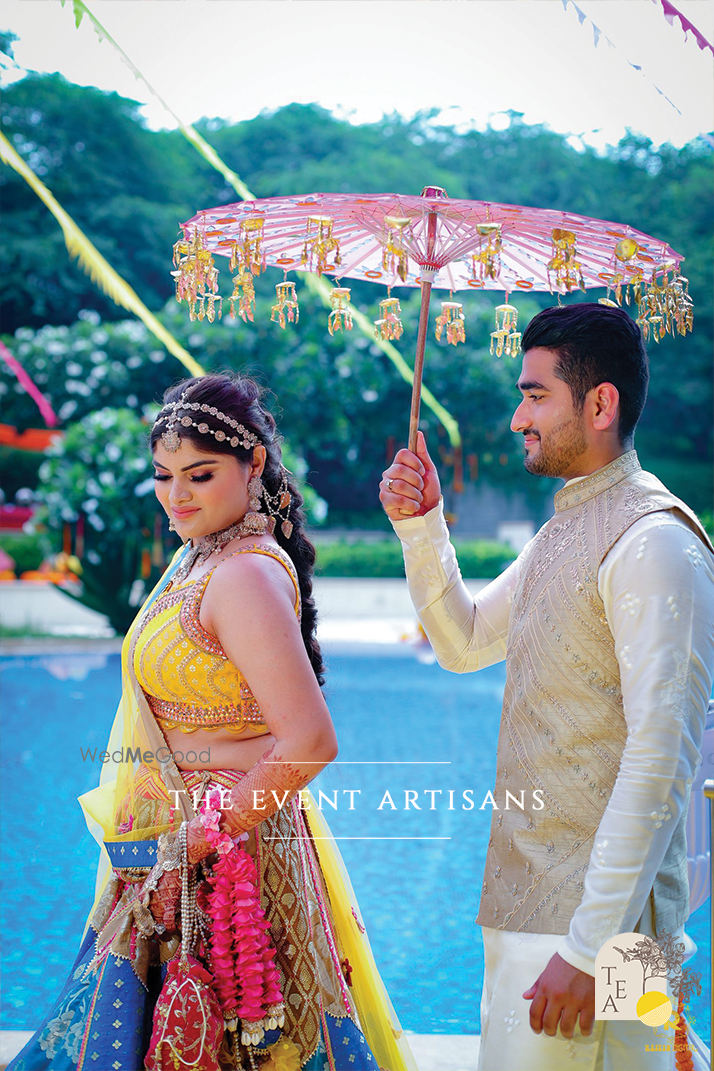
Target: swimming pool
[{"x": 403, "y": 726}]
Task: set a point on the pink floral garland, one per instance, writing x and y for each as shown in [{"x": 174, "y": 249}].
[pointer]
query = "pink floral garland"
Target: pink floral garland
[{"x": 242, "y": 958}]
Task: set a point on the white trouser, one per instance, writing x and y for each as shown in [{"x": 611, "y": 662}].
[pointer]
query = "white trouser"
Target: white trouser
[{"x": 512, "y": 963}]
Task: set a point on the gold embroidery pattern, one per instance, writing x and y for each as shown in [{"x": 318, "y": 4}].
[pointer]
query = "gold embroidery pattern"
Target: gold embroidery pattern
[
  {"x": 189, "y": 718},
  {"x": 600, "y": 481},
  {"x": 562, "y": 728},
  {"x": 303, "y": 957},
  {"x": 188, "y": 679}
]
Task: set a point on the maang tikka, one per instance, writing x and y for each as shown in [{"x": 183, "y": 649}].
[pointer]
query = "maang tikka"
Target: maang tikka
[{"x": 274, "y": 504}]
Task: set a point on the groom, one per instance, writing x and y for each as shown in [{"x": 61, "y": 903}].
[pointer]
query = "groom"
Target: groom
[{"x": 605, "y": 623}]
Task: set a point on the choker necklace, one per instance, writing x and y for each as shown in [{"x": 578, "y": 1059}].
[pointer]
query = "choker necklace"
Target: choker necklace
[{"x": 202, "y": 548}]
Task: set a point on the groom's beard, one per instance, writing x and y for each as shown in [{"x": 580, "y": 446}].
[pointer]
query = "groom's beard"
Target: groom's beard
[{"x": 555, "y": 452}]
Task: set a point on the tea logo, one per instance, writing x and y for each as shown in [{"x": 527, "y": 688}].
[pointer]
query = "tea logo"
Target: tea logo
[
  {"x": 654, "y": 1008},
  {"x": 634, "y": 974},
  {"x": 618, "y": 982}
]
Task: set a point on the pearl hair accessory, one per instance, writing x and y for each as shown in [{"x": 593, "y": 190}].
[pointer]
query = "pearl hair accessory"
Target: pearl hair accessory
[{"x": 171, "y": 440}]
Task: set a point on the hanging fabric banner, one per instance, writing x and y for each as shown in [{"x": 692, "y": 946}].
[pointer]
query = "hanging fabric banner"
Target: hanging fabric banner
[
  {"x": 48, "y": 414},
  {"x": 671, "y": 13},
  {"x": 93, "y": 263},
  {"x": 598, "y": 34}
]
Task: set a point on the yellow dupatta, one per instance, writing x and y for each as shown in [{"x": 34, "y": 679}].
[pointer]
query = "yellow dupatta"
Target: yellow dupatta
[{"x": 134, "y": 733}]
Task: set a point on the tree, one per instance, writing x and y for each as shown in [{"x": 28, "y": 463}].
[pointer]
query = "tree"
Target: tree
[
  {"x": 341, "y": 399},
  {"x": 123, "y": 185}
]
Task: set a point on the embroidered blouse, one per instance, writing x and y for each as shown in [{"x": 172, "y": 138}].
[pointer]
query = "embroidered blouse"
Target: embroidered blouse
[{"x": 187, "y": 678}]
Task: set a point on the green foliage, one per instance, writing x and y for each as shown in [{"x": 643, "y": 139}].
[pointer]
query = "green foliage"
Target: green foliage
[
  {"x": 84, "y": 367},
  {"x": 27, "y": 549},
  {"x": 340, "y": 401},
  {"x": 19, "y": 469},
  {"x": 101, "y": 469},
  {"x": 123, "y": 185},
  {"x": 7, "y": 41},
  {"x": 479, "y": 559}
]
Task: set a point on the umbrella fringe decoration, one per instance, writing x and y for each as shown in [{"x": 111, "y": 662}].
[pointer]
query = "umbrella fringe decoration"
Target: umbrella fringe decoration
[
  {"x": 395, "y": 259},
  {"x": 505, "y": 339},
  {"x": 389, "y": 325},
  {"x": 666, "y": 306},
  {"x": 244, "y": 294},
  {"x": 320, "y": 246},
  {"x": 247, "y": 252},
  {"x": 488, "y": 257},
  {"x": 286, "y": 309},
  {"x": 568, "y": 270},
  {"x": 196, "y": 272},
  {"x": 340, "y": 319},
  {"x": 453, "y": 319}
]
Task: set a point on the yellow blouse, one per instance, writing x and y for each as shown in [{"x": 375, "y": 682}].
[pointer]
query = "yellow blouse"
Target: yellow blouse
[{"x": 187, "y": 678}]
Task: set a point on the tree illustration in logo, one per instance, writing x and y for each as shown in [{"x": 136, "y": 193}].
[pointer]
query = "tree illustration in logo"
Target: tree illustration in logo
[
  {"x": 651, "y": 957},
  {"x": 661, "y": 958},
  {"x": 687, "y": 983}
]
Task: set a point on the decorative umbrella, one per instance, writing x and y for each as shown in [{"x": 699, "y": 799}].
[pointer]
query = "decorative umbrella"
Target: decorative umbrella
[{"x": 426, "y": 241}]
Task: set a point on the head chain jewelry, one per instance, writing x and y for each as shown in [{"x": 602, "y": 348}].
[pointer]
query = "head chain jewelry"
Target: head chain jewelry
[{"x": 171, "y": 440}]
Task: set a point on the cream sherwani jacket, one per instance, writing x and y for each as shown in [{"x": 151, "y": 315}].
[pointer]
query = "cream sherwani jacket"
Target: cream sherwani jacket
[{"x": 656, "y": 585}]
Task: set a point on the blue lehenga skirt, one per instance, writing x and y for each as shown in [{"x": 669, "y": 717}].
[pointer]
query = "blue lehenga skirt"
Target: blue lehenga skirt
[{"x": 102, "y": 1020}]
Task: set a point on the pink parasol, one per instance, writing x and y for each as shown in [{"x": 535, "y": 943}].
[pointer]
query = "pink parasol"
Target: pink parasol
[{"x": 426, "y": 241}]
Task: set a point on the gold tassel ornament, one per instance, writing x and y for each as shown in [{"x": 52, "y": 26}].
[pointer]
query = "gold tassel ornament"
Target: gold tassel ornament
[
  {"x": 453, "y": 319},
  {"x": 568, "y": 271},
  {"x": 340, "y": 319},
  {"x": 505, "y": 339},
  {"x": 488, "y": 259},
  {"x": 196, "y": 272},
  {"x": 395, "y": 259},
  {"x": 247, "y": 252},
  {"x": 665, "y": 306},
  {"x": 320, "y": 245},
  {"x": 244, "y": 294},
  {"x": 286, "y": 309},
  {"x": 389, "y": 326}
]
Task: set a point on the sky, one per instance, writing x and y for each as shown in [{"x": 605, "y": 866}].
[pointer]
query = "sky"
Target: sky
[{"x": 472, "y": 59}]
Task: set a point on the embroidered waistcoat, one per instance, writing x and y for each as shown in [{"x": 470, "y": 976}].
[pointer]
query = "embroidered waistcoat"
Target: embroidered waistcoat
[{"x": 562, "y": 727}]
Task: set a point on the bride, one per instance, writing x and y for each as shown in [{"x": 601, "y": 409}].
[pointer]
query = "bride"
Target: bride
[{"x": 225, "y": 932}]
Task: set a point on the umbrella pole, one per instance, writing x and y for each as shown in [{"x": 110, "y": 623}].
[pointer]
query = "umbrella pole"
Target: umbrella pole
[{"x": 419, "y": 359}]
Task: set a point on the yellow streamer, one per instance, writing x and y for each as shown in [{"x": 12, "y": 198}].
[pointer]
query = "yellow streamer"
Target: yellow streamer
[
  {"x": 317, "y": 285},
  {"x": 93, "y": 263}
]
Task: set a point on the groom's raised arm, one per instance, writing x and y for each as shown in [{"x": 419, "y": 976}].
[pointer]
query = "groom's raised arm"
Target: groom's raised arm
[{"x": 465, "y": 633}]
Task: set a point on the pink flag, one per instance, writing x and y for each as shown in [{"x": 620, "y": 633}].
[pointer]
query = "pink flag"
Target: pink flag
[{"x": 48, "y": 413}]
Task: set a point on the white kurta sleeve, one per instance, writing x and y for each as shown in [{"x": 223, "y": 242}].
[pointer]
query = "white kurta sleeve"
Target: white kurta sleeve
[
  {"x": 657, "y": 586},
  {"x": 465, "y": 633}
]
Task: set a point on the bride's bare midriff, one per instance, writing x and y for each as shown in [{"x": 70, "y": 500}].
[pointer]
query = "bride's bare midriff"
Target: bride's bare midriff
[{"x": 220, "y": 750}]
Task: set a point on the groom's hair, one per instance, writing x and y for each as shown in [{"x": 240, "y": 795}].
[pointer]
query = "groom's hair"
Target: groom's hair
[{"x": 595, "y": 344}]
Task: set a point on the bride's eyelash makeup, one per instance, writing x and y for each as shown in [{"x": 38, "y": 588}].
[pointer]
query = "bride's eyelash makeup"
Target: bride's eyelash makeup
[{"x": 204, "y": 477}]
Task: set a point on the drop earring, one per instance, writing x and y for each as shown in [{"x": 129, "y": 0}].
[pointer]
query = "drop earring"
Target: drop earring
[{"x": 256, "y": 490}]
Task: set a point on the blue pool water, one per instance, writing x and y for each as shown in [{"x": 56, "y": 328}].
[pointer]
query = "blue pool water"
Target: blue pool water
[{"x": 403, "y": 726}]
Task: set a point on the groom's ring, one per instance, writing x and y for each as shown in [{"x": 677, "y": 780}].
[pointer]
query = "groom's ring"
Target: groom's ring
[{"x": 389, "y": 484}]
